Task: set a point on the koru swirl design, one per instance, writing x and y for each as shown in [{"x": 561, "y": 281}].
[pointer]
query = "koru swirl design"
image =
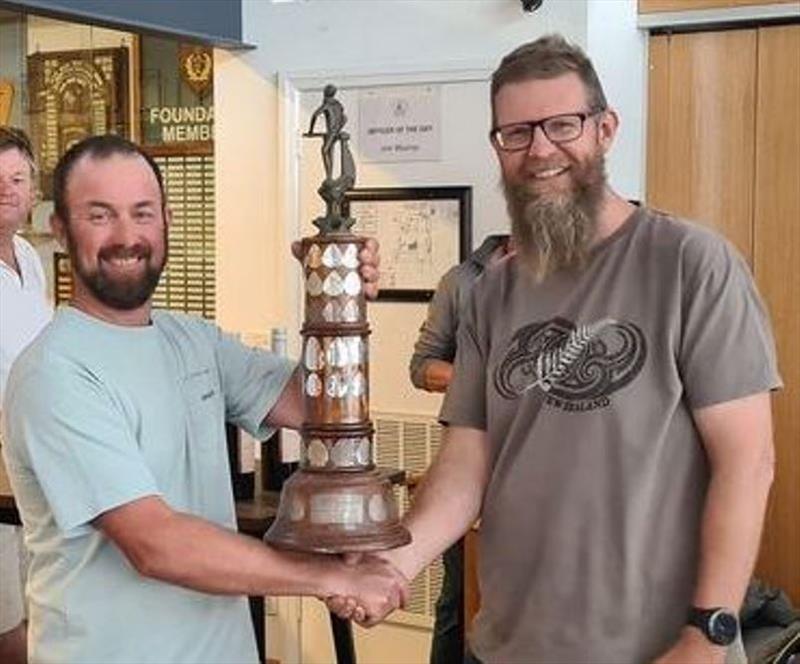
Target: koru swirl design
[{"x": 571, "y": 363}]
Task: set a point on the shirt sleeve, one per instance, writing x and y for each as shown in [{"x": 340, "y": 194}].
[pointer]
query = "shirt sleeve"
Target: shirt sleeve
[
  {"x": 465, "y": 401},
  {"x": 71, "y": 434},
  {"x": 252, "y": 382},
  {"x": 727, "y": 350},
  {"x": 437, "y": 336}
]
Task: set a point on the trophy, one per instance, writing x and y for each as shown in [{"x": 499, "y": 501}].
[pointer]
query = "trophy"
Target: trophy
[{"x": 337, "y": 501}]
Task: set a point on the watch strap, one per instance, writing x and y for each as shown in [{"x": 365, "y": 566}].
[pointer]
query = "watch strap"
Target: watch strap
[{"x": 703, "y": 618}]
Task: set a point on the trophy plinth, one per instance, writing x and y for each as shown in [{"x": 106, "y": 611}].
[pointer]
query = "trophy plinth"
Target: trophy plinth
[
  {"x": 337, "y": 501},
  {"x": 337, "y": 513}
]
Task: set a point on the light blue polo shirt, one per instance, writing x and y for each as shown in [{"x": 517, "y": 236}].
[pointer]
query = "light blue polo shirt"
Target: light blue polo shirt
[{"x": 98, "y": 415}]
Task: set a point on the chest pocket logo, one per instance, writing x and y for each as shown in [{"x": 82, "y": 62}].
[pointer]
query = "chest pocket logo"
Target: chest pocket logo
[
  {"x": 570, "y": 363},
  {"x": 204, "y": 412}
]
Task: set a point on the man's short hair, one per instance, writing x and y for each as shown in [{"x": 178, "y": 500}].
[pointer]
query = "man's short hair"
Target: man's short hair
[
  {"x": 96, "y": 147},
  {"x": 549, "y": 57},
  {"x": 14, "y": 138}
]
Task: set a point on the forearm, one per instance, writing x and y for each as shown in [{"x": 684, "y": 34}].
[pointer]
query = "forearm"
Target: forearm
[
  {"x": 179, "y": 548},
  {"x": 738, "y": 439},
  {"x": 197, "y": 554},
  {"x": 731, "y": 533},
  {"x": 447, "y": 502},
  {"x": 437, "y": 336}
]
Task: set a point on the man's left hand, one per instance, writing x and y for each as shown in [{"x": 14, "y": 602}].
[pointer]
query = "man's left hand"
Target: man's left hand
[
  {"x": 692, "y": 648},
  {"x": 370, "y": 261}
]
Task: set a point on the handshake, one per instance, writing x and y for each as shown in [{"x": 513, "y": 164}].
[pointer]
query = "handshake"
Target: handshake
[{"x": 366, "y": 588}]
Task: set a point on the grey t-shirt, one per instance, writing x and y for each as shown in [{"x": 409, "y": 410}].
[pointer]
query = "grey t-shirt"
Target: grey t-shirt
[
  {"x": 437, "y": 336},
  {"x": 586, "y": 384}
]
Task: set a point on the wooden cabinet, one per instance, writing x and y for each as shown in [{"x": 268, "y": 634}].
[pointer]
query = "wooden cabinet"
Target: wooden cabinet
[
  {"x": 701, "y": 138},
  {"x": 724, "y": 149}
]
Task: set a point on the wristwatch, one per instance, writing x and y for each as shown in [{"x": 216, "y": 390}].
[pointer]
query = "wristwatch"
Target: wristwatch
[{"x": 719, "y": 625}]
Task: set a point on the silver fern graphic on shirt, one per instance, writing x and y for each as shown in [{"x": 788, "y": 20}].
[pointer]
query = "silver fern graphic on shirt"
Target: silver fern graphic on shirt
[{"x": 576, "y": 367}]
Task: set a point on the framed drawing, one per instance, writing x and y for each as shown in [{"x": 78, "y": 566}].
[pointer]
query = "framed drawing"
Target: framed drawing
[{"x": 422, "y": 231}]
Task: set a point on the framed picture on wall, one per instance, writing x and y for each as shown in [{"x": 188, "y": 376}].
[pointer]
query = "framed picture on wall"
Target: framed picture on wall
[
  {"x": 422, "y": 231},
  {"x": 72, "y": 95}
]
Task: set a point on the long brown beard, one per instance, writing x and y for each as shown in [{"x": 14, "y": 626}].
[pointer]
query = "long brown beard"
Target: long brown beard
[{"x": 554, "y": 232}]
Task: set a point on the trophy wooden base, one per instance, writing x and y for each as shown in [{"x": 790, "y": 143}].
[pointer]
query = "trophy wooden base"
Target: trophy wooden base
[{"x": 337, "y": 512}]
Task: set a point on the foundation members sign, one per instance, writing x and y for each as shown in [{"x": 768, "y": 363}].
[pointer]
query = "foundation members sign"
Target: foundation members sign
[{"x": 179, "y": 124}]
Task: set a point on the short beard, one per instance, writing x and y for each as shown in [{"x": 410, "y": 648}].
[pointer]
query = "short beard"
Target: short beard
[
  {"x": 124, "y": 295},
  {"x": 554, "y": 232}
]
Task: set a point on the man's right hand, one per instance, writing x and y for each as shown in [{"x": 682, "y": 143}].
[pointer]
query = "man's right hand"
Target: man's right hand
[
  {"x": 437, "y": 375},
  {"x": 370, "y": 588}
]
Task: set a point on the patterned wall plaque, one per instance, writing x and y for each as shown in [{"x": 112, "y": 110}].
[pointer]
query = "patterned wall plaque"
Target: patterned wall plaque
[{"x": 74, "y": 94}]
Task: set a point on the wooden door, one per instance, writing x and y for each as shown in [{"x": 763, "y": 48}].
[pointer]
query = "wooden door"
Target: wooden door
[
  {"x": 724, "y": 149},
  {"x": 701, "y": 139},
  {"x": 777, "y": 269}
]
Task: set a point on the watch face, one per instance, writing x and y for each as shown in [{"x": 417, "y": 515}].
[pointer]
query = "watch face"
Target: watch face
[{"x": 723, "y": 627}]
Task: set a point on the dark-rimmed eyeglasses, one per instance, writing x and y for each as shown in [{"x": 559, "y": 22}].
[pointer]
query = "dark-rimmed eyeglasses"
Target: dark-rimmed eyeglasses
[{"x": 561, "y": 128}]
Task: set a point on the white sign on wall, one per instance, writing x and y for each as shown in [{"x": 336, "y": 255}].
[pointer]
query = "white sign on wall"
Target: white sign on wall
[{"x": 400, "y": 123}]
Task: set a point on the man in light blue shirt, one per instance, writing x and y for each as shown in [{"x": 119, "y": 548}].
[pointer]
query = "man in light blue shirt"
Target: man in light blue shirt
[{"x": 115, "y": 428}]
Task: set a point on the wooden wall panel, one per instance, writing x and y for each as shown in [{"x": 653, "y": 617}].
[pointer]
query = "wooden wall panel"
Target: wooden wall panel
[
  {"x": 660, "y": 188},
  {"x": 653, "y": 6},
  {"x": 777, "y": 268},
  {"x": 701, "y": 133}
]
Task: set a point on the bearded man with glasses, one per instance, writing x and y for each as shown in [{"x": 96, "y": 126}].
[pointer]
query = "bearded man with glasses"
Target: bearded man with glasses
[{"x": 609, "y": 413}]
